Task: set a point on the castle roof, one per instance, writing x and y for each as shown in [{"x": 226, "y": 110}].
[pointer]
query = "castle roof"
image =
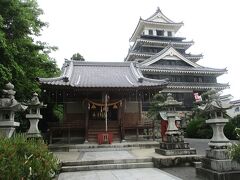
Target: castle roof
[{"x": 158, "y": 19}]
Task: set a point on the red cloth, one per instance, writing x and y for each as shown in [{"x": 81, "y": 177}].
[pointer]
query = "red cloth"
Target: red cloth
[{"x": 164, "y": 125}]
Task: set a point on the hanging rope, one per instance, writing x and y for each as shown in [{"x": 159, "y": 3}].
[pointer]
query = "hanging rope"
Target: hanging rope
[{"x": 103, "y": 104}]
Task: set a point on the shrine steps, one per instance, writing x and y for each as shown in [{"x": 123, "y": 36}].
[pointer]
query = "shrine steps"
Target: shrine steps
[
  {"x": 107, "y": 164},
  {"x": 115, "y": 146}
]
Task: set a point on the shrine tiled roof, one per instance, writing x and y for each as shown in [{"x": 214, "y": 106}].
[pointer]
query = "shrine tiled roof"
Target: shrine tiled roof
[
  {"x": 102, "y": 75},
  {"x": 197, "y": 85},
  {"x": 183, "y": 69}
]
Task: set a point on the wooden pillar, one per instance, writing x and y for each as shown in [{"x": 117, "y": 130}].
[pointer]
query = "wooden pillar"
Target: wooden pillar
[
  {"x": 69, "y": 136},
  {"x": 86, "y": 121},
  {"x": 119, "y": 118},
  {"x": 139, "y": 114},
  {"x": 122, "y": 130}
]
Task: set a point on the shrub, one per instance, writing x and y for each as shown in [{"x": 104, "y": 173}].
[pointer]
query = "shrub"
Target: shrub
[
  {"x": 229, "y": 130},
  {"x": 197, "y": 128},
  {"x": 234, "y": 150},
  {"x": 22, "y": 158}
]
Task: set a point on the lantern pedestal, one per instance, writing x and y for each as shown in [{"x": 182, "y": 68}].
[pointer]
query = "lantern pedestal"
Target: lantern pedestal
[
  {"x": 7, "y": 128},
  {"x": 218, "y": 140},
  {"x": 33, "y": 130},
  {"x": 177, "y": 147}
]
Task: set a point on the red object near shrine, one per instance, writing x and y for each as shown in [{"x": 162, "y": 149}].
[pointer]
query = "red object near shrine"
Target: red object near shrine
[
  {"x": 164, "y": 125},
  {"x": 105, "y": 138}
]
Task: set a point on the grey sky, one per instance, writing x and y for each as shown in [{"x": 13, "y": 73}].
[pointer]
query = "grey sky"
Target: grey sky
[{"x": 100, "y": 29}]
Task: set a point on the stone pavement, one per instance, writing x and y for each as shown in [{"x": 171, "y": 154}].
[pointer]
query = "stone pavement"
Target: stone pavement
[
  {"x": 91, "y": 156},
  {"x": 186, "y": 173},
  {"x": 121, "y": 174}
]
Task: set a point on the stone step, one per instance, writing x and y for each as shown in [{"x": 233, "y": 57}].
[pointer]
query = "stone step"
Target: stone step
[
  {"x": 110, "y": 161},
  {"x": 103, "y": 147},
  {"x": 93, "y": 138},
  {"x": 107, "y": 167}
]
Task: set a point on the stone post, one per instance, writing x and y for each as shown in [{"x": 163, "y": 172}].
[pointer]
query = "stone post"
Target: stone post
[
  {"x": 34, "y": 116},
  {"x": 8, "y": 107}
]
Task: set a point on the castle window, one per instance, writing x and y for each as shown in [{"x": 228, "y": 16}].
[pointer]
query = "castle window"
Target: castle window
[
  {"x": 169, "y": 33},
  {"x": 237, "y": 109},
  {"x": 178, "y": 79},
  {"x": 195, "y": 79},
  {"x": 150, "y": 32},
  {"x": 160, "y": 32},
  {"x": 173, "y": 79}
]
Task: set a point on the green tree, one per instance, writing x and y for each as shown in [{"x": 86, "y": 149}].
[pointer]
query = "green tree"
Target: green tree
[
  {"x": 154, "y": 108},
  {"x": 77, "y": 57},
  {"x": 234, "y": 150},
  {"x": 22, "y": 58}
]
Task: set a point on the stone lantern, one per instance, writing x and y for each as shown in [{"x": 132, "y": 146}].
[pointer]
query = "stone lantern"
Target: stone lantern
[
  {"x": 34, "y": 116},
  {"x": 170, "y": 106},
  {"x": 216, "y": 108},
  {"x": 8, "y": 107},
  {"x": 174, "y": 144},
  {"x": 217, "y": 163}
]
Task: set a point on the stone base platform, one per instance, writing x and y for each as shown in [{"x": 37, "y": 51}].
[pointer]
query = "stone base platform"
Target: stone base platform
[
  {"x": 176, "y": 161},
  {"x": 174, "y": 145},
  {"x": 220, "y": 165},
  {"x": 215, "y": 175},
  {"x": 174, "y": 152},
  {"x": 217, "y": 165}
]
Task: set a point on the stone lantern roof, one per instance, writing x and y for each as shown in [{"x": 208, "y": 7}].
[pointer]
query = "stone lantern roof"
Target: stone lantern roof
[
  {"x": 34, "y": 102},
  {"x": 8, "y": 101},
  {"x": 170, "y": 102},
  {"x": 214, "y": 103}
]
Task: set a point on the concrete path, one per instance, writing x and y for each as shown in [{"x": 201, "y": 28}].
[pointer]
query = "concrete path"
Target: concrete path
[{"x": 122, "y": 174}]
